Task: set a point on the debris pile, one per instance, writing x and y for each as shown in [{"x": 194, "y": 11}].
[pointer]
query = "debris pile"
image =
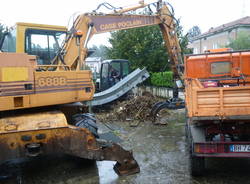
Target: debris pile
[{"x": 136, "y": 108}]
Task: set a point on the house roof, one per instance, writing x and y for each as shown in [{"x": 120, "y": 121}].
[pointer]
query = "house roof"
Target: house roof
[{"x": 245, "y": 21}]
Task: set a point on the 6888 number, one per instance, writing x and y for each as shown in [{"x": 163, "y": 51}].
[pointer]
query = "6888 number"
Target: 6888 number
[{"x": 52, "y": 81}]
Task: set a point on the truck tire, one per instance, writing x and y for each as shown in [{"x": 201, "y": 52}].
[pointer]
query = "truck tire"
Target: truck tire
[
  {"x": 88, "y": 121},
  {"x": 197, "y": 165}
]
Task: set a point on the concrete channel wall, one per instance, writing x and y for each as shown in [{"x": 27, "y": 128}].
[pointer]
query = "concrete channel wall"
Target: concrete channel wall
[{"x": 162, "y": 92}]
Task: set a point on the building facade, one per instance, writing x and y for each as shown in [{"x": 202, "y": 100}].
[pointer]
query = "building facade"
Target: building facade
[
  {"x": 94, "y": 63},
  {"x": 220, "y": 36}
]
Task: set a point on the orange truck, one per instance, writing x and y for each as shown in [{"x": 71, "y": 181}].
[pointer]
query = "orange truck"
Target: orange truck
[{"x": 217, "y": 94}]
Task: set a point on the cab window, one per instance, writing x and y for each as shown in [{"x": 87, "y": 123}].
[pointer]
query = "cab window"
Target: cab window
[
  {"x": 115, "y": 66},
  {"x": 220, "y": 67},
  {"x": 44, "y": 44},
  {"x": 125, "y": 68},
  {"x": 105, "y": 69}
]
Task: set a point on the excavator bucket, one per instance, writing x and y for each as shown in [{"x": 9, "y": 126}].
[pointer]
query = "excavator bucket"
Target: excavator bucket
[
  {"x": 81, "y": 143},
  {"x": 126, "y": 164},
  {"x": 107, "y": 147},
  {"x": 100, "y": 149}
]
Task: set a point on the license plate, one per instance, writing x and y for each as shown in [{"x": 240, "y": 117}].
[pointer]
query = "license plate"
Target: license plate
[{"x": 239, "y": 148}]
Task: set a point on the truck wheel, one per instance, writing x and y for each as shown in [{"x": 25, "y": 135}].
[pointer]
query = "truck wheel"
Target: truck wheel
[
  {"x": 197, "y": 165},
  {"x": 87, "y": 121}
]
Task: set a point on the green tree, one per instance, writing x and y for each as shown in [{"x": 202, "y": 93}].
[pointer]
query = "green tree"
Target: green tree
[
  {"x": 143, "y": 47},
  {"x": 241, "y": 42},
  {"x": 184, "y": 40},
  {"x": 193, "y": 32},
  {"x": 99, "y": 51}
]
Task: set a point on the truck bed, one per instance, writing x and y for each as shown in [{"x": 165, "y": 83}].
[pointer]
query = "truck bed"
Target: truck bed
[{"x": 217, "y": 102}]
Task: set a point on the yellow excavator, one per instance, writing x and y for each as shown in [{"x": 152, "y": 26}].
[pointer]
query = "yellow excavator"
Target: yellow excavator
[{"x": 40, "y": 72}]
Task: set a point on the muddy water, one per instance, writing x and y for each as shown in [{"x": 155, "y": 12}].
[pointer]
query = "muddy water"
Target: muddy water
[{"x": 159, "y": 150}]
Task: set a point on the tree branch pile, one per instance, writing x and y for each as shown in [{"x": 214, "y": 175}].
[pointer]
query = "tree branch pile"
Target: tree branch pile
[{"x": 136, "y": 108}]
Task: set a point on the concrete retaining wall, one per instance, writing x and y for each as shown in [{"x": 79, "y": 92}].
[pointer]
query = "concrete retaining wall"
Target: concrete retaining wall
[{"x": 162, "y": 92}]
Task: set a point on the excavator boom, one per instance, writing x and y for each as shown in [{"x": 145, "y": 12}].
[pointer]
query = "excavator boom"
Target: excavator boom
[{"x": 93, "y": 23}]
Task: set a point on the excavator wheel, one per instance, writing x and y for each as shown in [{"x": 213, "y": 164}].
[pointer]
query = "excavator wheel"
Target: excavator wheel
[{"x": 86, "y": 120}]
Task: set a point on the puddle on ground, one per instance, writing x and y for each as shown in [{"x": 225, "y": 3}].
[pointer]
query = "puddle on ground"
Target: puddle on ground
[{"x": 106, "y": 173}]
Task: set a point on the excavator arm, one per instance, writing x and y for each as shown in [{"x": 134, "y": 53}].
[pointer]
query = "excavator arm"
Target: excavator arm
[{"x": 86, "y": 25}]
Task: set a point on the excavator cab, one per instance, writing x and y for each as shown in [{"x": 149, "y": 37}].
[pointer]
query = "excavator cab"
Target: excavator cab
[
  {"x": 44, "y": 44},
  {"x": 42, "y": 41},
  {"x": 112, "y": 71}
]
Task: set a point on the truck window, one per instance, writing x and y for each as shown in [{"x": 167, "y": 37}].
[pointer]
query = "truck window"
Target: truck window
[
  {"x": 9, "y": 42},
  {"x": 44, "y": 44},
  {"x": 221, "y": 67}
]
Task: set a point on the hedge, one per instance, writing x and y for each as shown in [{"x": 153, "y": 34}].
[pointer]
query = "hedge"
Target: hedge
[{"x": 161, "y": 79}]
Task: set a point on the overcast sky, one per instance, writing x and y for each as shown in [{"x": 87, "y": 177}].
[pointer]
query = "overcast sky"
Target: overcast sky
[{"x": 204, "y": 13}]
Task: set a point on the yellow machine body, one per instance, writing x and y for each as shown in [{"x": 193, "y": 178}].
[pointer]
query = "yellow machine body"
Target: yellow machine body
[{"x": 24, "y": 87}]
